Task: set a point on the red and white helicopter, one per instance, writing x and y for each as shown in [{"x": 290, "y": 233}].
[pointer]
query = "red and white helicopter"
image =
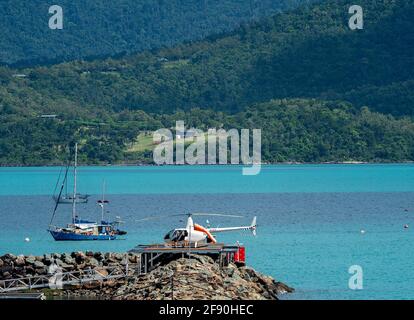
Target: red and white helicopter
[{"x": 194, "y": 234}]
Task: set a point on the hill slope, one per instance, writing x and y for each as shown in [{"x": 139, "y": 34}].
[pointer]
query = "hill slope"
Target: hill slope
[
  {"x": 308, "y": 53},
  {"x": 107, "y": 28}
]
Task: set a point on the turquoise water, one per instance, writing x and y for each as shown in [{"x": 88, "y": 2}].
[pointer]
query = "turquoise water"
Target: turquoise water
[
  {"x": 309, "y": 217},
  {"x": 216, "y": 179}
]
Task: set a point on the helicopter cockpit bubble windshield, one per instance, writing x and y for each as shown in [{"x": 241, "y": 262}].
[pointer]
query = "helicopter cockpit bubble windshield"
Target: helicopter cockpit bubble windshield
[{"x": 176, "y": 235}]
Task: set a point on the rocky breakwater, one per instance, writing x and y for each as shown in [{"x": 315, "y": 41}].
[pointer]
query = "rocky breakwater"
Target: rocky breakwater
[
  {"x": 15, "y": 267},
  {"x": 201, "y": 278},
  {"x": 197, "y": 278}
]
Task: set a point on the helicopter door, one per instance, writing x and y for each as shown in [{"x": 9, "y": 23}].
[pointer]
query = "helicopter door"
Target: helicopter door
[
  {"x": 180, "y": 235},
  {"x": 176, "y": 235}
]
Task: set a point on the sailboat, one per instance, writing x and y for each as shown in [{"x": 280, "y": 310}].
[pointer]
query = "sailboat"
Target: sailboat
[
  {"x": 68, "y": 198},
  {"x": 78, "y": 229}
]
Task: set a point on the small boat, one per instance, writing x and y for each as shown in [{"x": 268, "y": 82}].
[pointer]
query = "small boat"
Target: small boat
[
  {"x": 78, "y": 229},
  {"x": 68, "y": 199}
]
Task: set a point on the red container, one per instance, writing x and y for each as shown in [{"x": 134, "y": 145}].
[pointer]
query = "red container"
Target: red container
[{"x": 240, "y": 255}]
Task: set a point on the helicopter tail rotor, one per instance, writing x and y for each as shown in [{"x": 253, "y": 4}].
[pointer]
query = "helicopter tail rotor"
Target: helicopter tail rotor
[{"x": 253, "y": 226}]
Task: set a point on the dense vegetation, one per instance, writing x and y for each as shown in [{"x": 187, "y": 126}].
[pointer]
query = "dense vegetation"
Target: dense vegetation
[
  {"x": 318, "y": 91},
  {"x": 310, "y": 52},
  {"x": 292, "y": 130},
  {"x": 108, "y": 28}
]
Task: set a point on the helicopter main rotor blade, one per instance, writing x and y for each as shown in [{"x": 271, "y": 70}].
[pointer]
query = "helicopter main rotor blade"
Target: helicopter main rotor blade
[
  {"x": 189, "y": 215},
  {"x": 217, "y": 215},
  {"x": 158, "y": 217}
]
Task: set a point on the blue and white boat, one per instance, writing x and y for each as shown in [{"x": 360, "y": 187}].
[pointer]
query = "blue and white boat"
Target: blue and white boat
[{"x": 83, "y": 230}]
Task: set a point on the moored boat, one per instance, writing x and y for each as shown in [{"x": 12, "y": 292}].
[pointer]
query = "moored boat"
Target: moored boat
[{"x": 78, "y": 229}]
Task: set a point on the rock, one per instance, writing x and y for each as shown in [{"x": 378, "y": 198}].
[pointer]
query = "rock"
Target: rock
[
  {"x": 197, "y": 278},
  {"x": 41, "y": 271},
  {"x": 102, "y": 271},
  {"x": 229, "y": 272},
  {"x": 68, "y": 260},
  {"x": 9, "y": 257},
  {"x": 58, "y": 262},
  {"x": 118, "y": 256},
  {"x": 80, "y": 266},
  {"x": 249, "y": 271},
  {"x": 48, "y": 259},
  {"x": 92, "y": 262},
  {"x": 74, "y": 287},
  {"x": 30, "y": 260},
  {"x": 63, "y": 265},
  {"x": 30, "y": 270},
  {"x": 92, "y": 285},
  {"x": 38, "y": 264},
  {"x": 282, "y": 288},
  {"x": 47, "y": 256},
  {"x": 67, "y": 267},
  {"x": 79, "y": 257},
  {"x": 20, "y": 261},
  {"x": 133, "y": 258},
  {"x": 109, "y": 258},
  {"x": 98, "y": 256}
]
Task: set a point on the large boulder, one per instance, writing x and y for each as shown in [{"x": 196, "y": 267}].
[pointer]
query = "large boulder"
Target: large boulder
[
  {"x": 30, "y": 270},
  {"x": 79, "y": 257},
  {"x": 92, "y": 262},
  {"x": 37, "y": 264},
  {"x": 65, "y": 266},
  {"x": 98, "y": 256},
  {"x": 68, "y": 260},
  {"x": 41, "y": 270},
  {"x": 31, "y": 260},
  {"x": 9, "y": 257},
  {"x": 109, "y": 258},
  {"x": 20, "y": 261},
  {"x": 48, "y": 259},
  {"x": 119, "y": 256},
  {"x": 102, "y": 272},
  {"x": 133, "y": 258}
]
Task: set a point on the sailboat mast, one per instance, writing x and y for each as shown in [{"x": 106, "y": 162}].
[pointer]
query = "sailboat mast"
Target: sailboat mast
[
  {"x": 74, "y": 184},
  {"x": 103, "y": 201}
]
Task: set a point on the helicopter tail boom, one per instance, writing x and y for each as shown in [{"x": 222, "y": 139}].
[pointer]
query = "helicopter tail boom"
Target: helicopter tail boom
[{"x": 252, "y": 228}]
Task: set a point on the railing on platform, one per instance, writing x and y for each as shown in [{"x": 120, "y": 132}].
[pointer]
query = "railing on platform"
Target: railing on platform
[{"x": 58, "y": 279}]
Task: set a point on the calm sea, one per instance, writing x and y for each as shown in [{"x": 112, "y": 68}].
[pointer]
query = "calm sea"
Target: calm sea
[{"x": 310, "y": 218}]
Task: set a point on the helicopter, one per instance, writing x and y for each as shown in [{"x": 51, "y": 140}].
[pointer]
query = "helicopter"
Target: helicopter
[{"x": 194, "y": 234}]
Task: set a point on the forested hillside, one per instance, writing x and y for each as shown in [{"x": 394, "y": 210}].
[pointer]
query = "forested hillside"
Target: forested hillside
[
  {"x": 318, "y": 90},
  {"x": 310, "y": 52},
  {"x": 101, "y": 28}
]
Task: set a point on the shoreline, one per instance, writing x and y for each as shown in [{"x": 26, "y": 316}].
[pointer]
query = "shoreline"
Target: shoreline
[{"x": 208, "y": 165}]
